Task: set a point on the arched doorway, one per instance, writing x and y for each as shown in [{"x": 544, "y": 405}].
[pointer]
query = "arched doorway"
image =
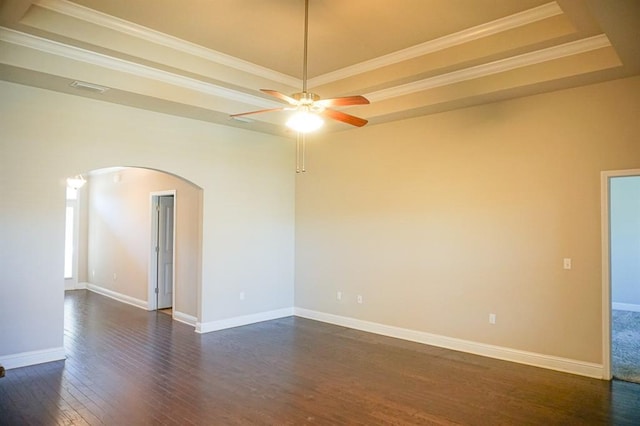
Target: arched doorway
[{"x": 117, "y": 238}]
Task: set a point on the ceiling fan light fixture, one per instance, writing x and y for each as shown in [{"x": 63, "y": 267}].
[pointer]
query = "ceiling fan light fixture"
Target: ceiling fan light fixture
[
  {"x": 304, "y": 121},
  {"x": 308, "y": 106}
]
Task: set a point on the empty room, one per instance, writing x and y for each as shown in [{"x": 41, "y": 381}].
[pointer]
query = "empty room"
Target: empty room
[{"x": 319, "y": 211}]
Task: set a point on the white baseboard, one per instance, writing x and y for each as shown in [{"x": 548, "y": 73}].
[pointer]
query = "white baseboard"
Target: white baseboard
[
  {"x": 26, "y": 359},
  {"x": 118, "y": 296},
  {"x": 243, "y": 320},
  {"x": 626, "y": 307},
  {"x": 522, "y": 357},
  {"x": 185, "y": 318},
  {"x": 75, "y": 286}
]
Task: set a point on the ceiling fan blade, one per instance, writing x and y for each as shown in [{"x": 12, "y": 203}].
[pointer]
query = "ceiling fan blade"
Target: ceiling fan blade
[
  {"x": 345, "y": 118},
  {"x": 257, "y": 112},
  {"x": 344, "y": 101},
  {"x": 280, "y": 96}
]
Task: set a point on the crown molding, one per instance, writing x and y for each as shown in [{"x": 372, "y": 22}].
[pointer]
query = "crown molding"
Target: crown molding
[
  {"x": 465, "y": 36},
  {"x": 107, "y": 21},
  {"x": 527, "y": 59},
  {"x": 117, "y": 64},
  {"x": 129, "y": 28}
]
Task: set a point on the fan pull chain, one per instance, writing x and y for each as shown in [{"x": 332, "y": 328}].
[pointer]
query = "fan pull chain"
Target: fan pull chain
[
  {"x": 304, "y": 149},
  {"x": 300, "y": 153}
]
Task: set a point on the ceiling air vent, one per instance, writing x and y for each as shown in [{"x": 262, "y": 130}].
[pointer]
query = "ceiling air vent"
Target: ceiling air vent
[{"x": 89, "y": 87}]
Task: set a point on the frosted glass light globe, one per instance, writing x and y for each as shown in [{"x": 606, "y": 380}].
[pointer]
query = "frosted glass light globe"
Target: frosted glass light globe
[{"x": 305, "y": 121}]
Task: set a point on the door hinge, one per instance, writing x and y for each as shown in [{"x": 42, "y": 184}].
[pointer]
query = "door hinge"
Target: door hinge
[
  {"x": 157, "y": 249},
  {"x": 157, "y": 290}
]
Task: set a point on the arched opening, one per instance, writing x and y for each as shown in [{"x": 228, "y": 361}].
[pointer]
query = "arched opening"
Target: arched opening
[{"x": 118, "y": 243}]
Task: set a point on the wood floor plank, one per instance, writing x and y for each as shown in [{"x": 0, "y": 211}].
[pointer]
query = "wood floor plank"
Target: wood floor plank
[{"x": 126, "y": 366}]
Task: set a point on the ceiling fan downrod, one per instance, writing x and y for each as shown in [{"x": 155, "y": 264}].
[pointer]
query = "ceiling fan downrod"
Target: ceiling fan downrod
[
  {"x": 310, "y": 108},
  {"x": 306, "y": 46}
]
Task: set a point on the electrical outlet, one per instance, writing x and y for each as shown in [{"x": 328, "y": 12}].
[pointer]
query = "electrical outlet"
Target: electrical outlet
[
  {"x": 360, "y": 299},
  {"x": 339, "y": 295},
  {"x": 242, "y": 295},
  {"x": 115, "y": 276},
  {"x": 492, "y": 318},
  {"x": 566, "y": 263}
]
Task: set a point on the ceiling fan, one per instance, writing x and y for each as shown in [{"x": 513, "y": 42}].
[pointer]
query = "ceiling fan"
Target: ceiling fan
[{"x": 309, "y": 107}]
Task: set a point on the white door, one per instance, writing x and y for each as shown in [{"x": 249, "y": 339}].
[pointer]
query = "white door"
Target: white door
[{"x": 164, "y": 285}]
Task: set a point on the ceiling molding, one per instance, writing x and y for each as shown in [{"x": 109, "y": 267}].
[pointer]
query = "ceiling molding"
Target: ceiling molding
[
  {"x": 465, "y": 36},
  {"x": 527, "y": 59},
  {"x": 107, "y": 21},
  {"x": 474, "y": 33},
  {"x": 62, "y": 41},
  {"x": 117, "y": 64}
]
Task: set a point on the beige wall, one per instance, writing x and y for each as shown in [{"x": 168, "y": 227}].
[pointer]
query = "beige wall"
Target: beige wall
[
  {"x": 436, "y": 221},
  {"x": 119, "y": 234},
  {"x": 440, "y": 220},
  {"x": 248, "y": 204}
]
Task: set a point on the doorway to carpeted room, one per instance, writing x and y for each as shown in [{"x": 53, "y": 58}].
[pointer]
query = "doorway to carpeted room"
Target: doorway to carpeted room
[{"x": 625, "y": 345}]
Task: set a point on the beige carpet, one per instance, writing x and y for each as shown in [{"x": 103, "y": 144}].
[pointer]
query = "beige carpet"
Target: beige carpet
[{"x": 625, "y": 345}]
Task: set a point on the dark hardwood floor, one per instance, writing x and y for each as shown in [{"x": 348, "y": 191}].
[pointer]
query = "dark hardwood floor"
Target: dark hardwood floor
[{"x": 126, "y": 366}]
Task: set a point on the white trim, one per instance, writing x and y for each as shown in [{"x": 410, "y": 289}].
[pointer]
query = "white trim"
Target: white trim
[
  {"x": 522, "y": 357},
  {"x": 185, "y": 318},
  {"x": 242, "y": 320},
  {"x": 118, "y": 296},
  {"x": 121, "y": 65},
  {"x": 606, "y": 276},
  {"x": 75, "y": 286},
  {"x": 153, "y": 259},
  {"x": 631, "y": 307},
  {"x": 69, "y": 284},
  {"x": 138, "y": 31},
  {"x": 26, "y": 359},
  {"x": 605, "y": 177},
  {"x": 465, "y": 36},
  {"x": 502, "y": 65}
]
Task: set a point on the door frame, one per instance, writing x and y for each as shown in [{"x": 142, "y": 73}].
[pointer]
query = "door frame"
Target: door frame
[
  {"x": 152, "y": 303},
  {"x": 605, "y": 203}
]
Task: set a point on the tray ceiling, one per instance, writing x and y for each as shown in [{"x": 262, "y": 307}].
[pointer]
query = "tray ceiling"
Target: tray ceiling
[{"x": 207, "y": 59}]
